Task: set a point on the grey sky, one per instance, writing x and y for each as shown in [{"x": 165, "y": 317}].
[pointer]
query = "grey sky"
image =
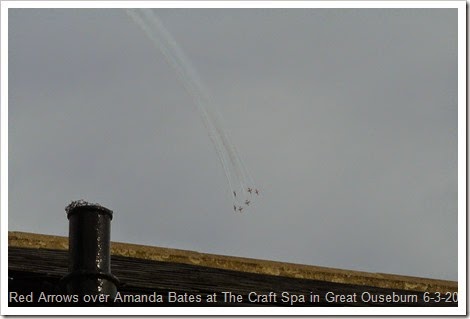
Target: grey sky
[{"x": 346, "y": 118}]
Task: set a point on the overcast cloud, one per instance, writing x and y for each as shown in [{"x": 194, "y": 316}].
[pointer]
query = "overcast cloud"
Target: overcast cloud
[{"x": 346, "y": 118}]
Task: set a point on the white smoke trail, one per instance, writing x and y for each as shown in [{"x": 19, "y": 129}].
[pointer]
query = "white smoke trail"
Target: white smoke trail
[
  {"x": 244, "y": 177},
  {"x": 233, "y": 166},
  {"x": 149, "y": 24}
]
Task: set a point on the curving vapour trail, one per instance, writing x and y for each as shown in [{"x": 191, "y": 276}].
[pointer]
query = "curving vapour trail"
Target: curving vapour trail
[{"x": 239, "y": 180}]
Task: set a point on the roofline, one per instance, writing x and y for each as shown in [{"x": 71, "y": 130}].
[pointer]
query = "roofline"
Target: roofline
[{"x": 258, "y": 266}]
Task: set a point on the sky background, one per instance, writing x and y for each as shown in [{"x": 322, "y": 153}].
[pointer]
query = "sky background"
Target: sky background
[{"x": 346, "y": 119}]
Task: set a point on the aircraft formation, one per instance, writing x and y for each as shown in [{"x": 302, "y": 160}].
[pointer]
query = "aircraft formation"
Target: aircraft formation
[{"x": 247, "y": 202}]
